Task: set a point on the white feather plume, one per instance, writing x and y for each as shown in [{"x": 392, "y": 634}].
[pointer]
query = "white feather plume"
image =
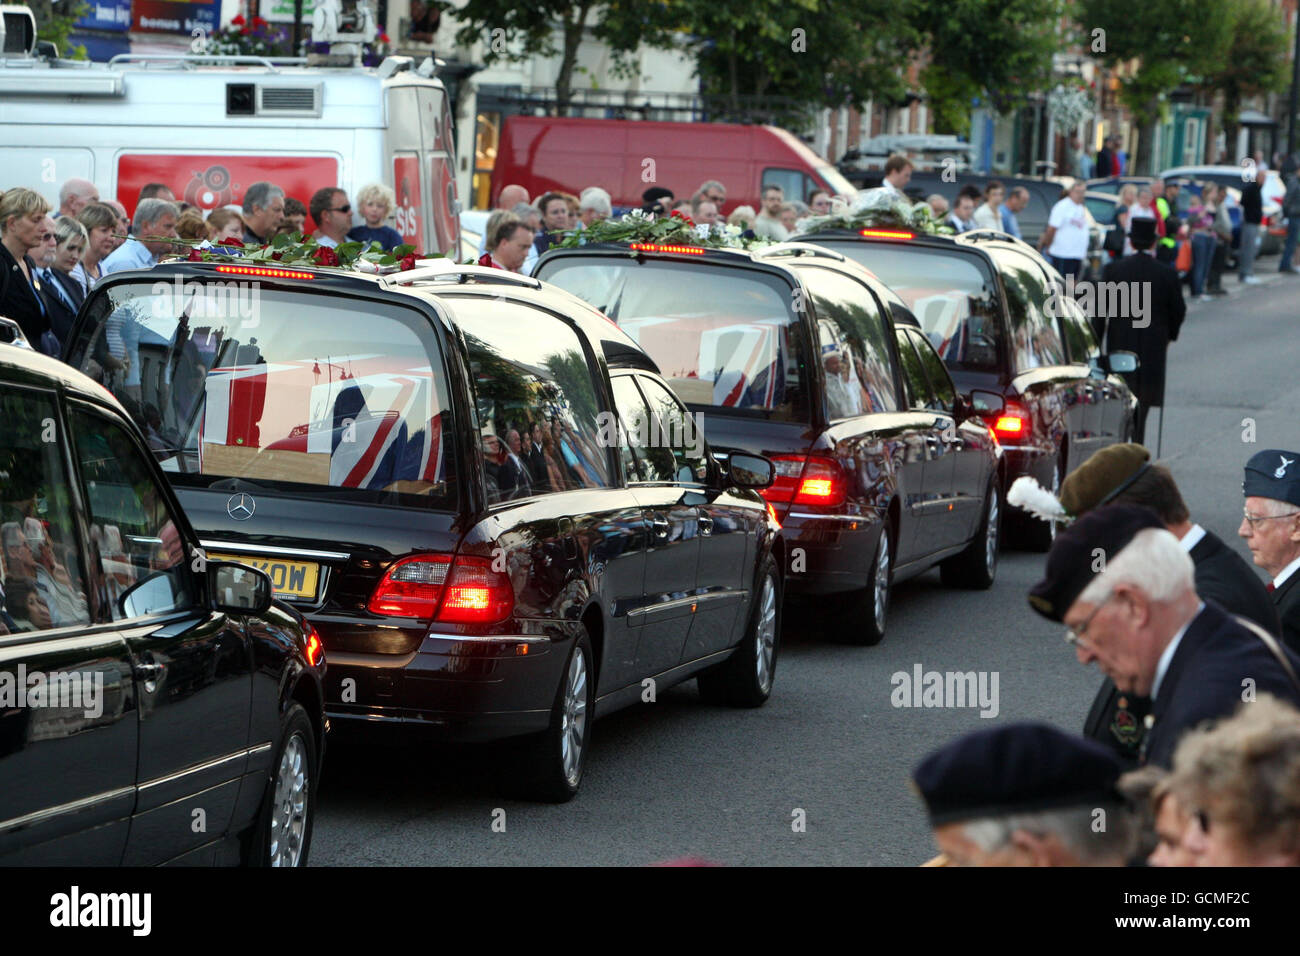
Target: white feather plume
[{"x": 1028, "y": 495}]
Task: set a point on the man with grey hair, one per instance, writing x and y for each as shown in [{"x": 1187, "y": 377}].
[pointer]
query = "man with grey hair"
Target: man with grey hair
[
  {"x": 594, "y": 205},
  {"x": 713, "y": 191},
  {"x": 1124, "y": 588},
  {"x": 1271, "y": 527},
  {"x": 75, "y": 195},
  {"x": 155, "y": 223},
  {"x": 1026, "y": 795},
  {"x": 263, "y": 212}
]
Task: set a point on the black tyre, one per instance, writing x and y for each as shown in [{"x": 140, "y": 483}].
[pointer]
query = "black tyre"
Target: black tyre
[
  {"x": 284, "y": 826},
  {"x": 745, "y": 679},
  {"x": 555, "y": 759},
  {"x": 867, "y": 613},
  {"x": 977, "y": 566}
]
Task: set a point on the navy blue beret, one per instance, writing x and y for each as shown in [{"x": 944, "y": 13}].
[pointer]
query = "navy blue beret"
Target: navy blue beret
[
  {"x": 1273, "y": 473},
  {"x": 1019, "y": 768},
  {"x": 1072, "y": 564}
]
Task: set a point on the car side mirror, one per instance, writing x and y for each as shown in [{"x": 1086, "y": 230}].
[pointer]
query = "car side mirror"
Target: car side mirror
[
  {"x": 750, "y": 471},
  {"x": 1122, "y": 361},
  {"x": 238, "y": 589},
  {"x": 984, "y": 402}
]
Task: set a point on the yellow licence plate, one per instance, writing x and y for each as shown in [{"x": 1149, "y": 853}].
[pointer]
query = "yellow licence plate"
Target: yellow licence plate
[{"x": 290, "y": 579}]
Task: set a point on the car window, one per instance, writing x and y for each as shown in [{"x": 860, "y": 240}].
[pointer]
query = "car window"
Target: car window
[
  {"x": 644, "y": 455},
  {"x": 1079, "y": 336},
  {"x": 791, "y": 182},
  {"x": 723, "y": 337},
  {"x": 44, "y": 581},
  {"x": 319, "y": 395},
  {"x": 916, "y": 387},
  {"x": 1103, "y": 210},
  {"x": 1034, "y": 340},
  {"x": 531, "y": 377},
  {"x": 678, "y": 432},
  {"x": 139, "y": 544},
  {"x": 951, "y": 293},
  {"x": 943, "y": 394},
  {"x": 852, "y": 346}
]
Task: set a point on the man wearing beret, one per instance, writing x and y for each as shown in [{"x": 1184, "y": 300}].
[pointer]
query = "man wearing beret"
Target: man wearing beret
[
  {"x": 1026, "y": 795},
  {"x": 1148, "y": 334},
  {"x": 1271, "y": 527},
  {"x": 1125, "y": 589},
  {"x": 1124, "y": 473}
]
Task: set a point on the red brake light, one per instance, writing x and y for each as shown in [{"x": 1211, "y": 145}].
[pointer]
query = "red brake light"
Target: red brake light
[
  {"x": 265, "y": 272},
  {"x": 652, "y": 247},
  {"x": 1013, "y": 423},
  {"x": 807, "y": 480},
  {"x": 315, "y": 650},
  {"x": 427, "y": 585},
  {"x": 886, "y": 234}
]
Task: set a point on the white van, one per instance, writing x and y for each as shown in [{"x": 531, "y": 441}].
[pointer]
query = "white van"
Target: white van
[{"x": 209, "y": 127}]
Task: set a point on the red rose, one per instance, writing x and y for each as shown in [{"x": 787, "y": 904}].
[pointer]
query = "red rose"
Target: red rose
[
  {"x": 233, "y": 242},
  {"x": 258, "y": 22},
  {"x": 677, "y": 214},
  {"x": 195, "y": 255},
  {"x": 277, "y": 256},
  {"x": 408, "y": 262},
  {"x": 325, "y": 256},
  {"x": 239, "y": 21},
  {"x": 245, "y": 32},
  {"x": 382, "y": 38}
]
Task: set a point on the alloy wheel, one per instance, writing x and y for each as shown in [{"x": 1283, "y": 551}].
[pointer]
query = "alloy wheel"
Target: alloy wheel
[
  {"x": 765, "y": 639},
  {"x": 289, "y": 816},
  {"x": 573, "y": 717}
]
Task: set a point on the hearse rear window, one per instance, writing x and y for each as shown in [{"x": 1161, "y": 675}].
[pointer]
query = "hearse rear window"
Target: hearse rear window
[
  {"x": 240, "y": 387},
  {"x": 949, "y": 293},
  {"x": 724, "y": 338}
]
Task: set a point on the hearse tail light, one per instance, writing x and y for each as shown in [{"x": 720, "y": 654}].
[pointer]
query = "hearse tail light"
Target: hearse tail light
[
  {"x": 652, "y": 247},
  {"x": 476, "y": 593},
  {"x": 807, "y": 480},
  {"x": 264, "y": 272},
  {"x": 1012, "y": 423},
  {"x": 411, "y": 587},
  {"x": 314, "y": 649},
  {"x": 885, "y": 234}
]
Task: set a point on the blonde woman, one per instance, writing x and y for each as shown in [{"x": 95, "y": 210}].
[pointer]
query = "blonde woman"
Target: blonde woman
[
  {"x": 376, "y": 203},
  {"x": 100, "y": 222},
  {"x": 22, "y": 233}
]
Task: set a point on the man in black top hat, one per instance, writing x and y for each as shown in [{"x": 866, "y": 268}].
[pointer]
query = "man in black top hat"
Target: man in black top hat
[
  {"x": 1124, "y": 588},
  {"x": 1026, "y": 795},
  {"x": 1271, "y": 527},
  {"x": 657, "y": 200},
  {"x": 1125, "y": 474},
  {"x": 1153, "y": 286}
]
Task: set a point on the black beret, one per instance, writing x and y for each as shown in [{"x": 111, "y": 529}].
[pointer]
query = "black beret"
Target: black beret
[
  {"x": 1273, "y": 474},
  {"x": 654, "y": 194},
  {"x": 1019, "y": 768},
  {"x": 1071, "y": 562},
  {"x": 1141, "y": 232}
]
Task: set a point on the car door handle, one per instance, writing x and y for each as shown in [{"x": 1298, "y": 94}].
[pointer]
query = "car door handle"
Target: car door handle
[
  {"x": 660, "y": 525},
  {"x": 706, "y": 523},
  {"x": 148, "y": 673}
]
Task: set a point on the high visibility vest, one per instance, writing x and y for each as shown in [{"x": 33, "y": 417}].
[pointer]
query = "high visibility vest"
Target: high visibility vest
[{"x": 1162, "y": 205}]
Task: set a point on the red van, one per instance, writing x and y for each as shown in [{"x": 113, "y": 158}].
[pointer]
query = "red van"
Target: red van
[{"x": 627, "y": 157}]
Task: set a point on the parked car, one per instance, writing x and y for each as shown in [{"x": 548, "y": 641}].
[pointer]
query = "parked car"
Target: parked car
[
  {"x": 1272, "y": 188},
  {"x": 427, "y": 464},
  {"x": 798, "y": 354},
  {"x": 181, "y": 718},
  {"x": 571, "y": 153},
  {"x": 995, "y": 312}
]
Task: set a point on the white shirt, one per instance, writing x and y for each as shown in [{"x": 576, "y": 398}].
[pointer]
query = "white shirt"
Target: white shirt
[
  {"x": 986, "y": 217},
  {"x": 1163, "y": 664},
  {"x": 324, "y": 240},
  {"x": 1285, "y": 573},
  {"x": 1070, "y": 220},
  {"x": 1192, "y": 538}
]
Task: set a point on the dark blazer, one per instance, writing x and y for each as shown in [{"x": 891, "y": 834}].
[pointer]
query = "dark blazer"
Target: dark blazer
[
  {"x": 1204, "y": 680},
  {"x": 61, "y": 309},
  {"x": 1287, "y": 600},
  {"x": 544, "y": 240},
  {"x": 1222, "y": 576},
  {"x": 18, "y": 300},
  {"x": 535, "y": 459},
  {"x": 1166, "y": 313}
]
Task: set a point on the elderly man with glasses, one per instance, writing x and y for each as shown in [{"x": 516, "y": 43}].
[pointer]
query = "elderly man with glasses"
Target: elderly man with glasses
[
  {"x": 1125, "y": 589},
  {"x": 1271, "y": 527}
]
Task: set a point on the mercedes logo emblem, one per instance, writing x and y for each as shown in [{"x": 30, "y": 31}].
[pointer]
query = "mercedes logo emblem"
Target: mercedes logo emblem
[{"x": 241, "y": 507}]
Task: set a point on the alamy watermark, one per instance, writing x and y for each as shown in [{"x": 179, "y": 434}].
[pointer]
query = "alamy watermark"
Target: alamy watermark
[
  {"x": 947, "y": 689},
  {"x": 681, "y": 433},
  {"x": 33, "y": 689},
  {"x": 1110, "y": 300},
  {"x": 208, "y": 300}
]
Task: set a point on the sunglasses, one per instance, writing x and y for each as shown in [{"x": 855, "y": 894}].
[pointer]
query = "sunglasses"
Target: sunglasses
[{"x": 347, "y": 208}]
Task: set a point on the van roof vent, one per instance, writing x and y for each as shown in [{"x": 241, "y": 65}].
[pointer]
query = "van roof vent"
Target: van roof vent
[{"x": 289, "y": 100}]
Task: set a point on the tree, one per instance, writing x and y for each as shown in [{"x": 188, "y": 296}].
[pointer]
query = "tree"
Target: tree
[
  {"x": 54, "y": 22},
  {"x": 1256, "y": 62},
  {"x": 997, "y": 50},
  {"x": 1172, "y": 41}
]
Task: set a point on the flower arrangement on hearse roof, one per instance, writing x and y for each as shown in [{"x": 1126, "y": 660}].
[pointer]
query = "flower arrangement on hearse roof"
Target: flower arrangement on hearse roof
[
  {"x": 676, "y": 229},
  {"x": 877, "y": 209},
  {"x": 293, "y": 249}
]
